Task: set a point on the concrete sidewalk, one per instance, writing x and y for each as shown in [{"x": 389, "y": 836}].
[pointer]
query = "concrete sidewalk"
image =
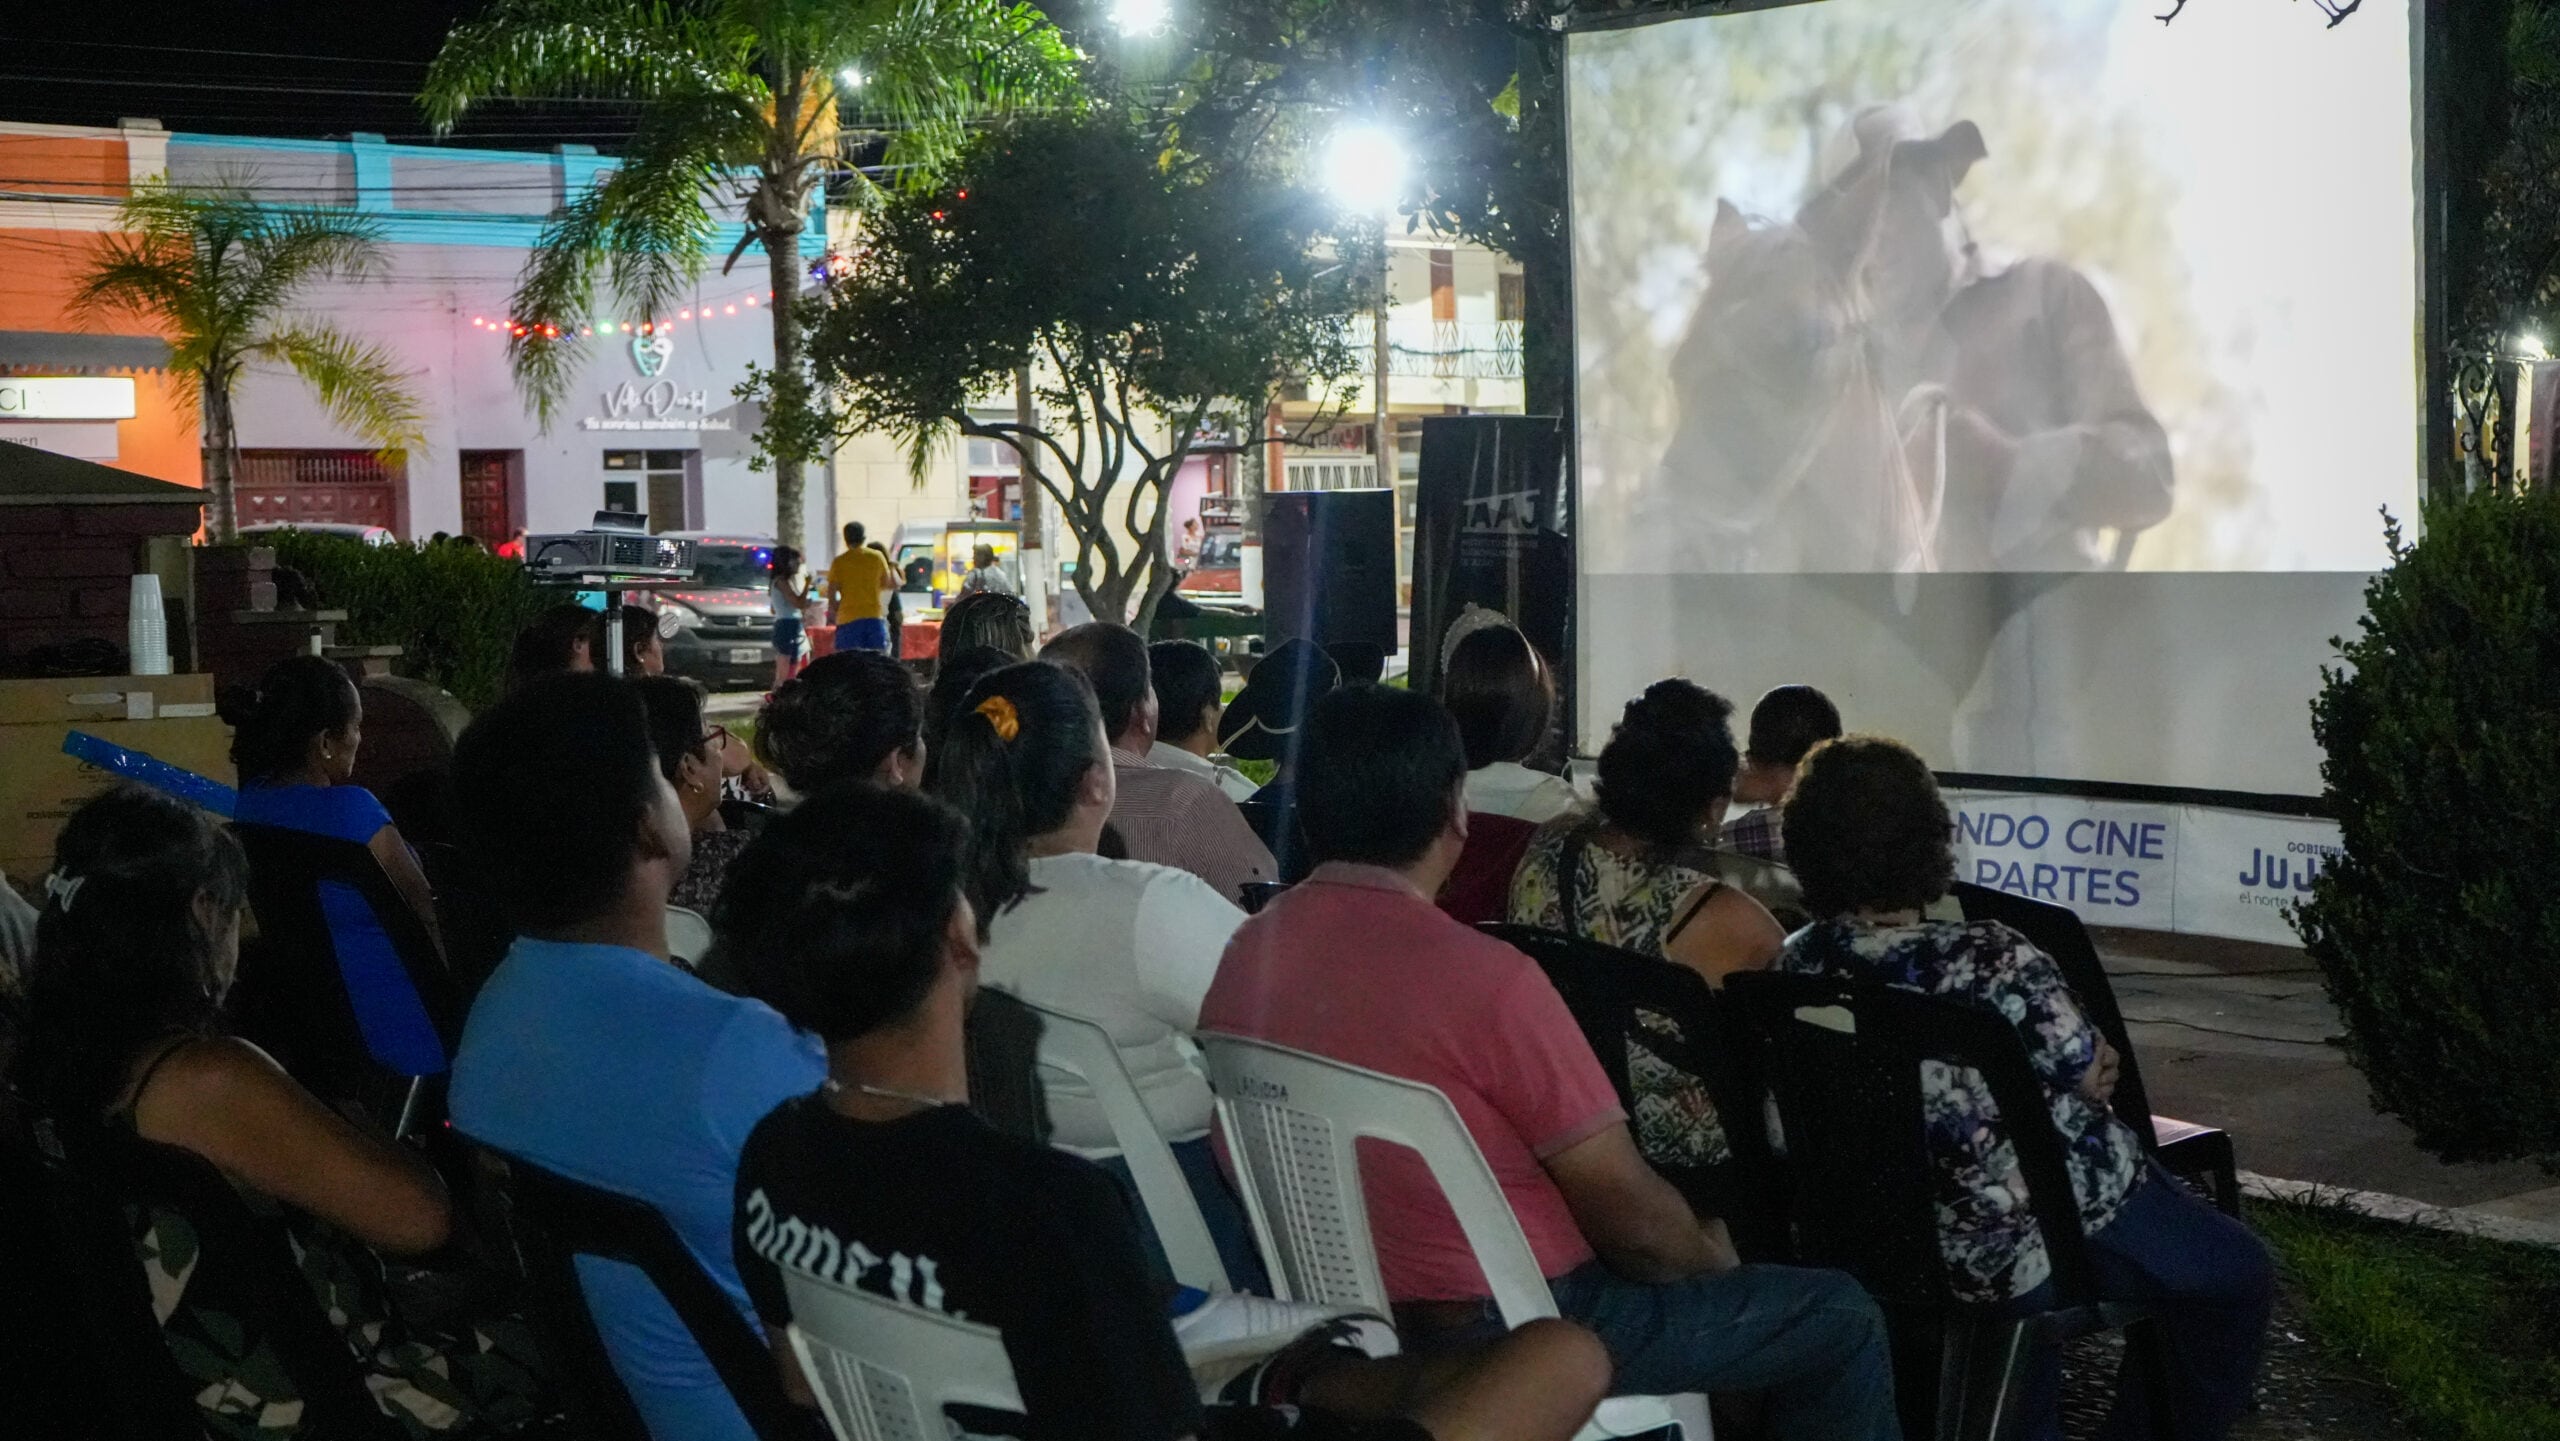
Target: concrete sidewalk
[{"x": 2240, "y": 1035}]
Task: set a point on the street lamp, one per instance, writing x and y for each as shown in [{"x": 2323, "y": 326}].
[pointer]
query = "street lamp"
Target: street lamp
[
  {"x": 1141, "y": 17},
  {"x": 852, "y": 77},
  {"x": 1364, "y": 167}
]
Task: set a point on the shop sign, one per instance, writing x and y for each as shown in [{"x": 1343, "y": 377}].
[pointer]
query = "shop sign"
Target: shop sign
[{"x": 66, "y": 397}]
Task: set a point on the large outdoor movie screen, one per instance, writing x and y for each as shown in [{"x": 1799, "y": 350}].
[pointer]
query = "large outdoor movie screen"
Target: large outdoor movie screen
[{"x": 1974, "y": 286}]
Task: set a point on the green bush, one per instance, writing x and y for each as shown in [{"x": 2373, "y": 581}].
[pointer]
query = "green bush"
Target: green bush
[
  {"x": 453, "y": 610},
  {"x": 2438, "y": 930}
]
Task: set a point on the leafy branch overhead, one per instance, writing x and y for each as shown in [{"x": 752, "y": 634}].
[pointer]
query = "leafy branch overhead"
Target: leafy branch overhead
[{"x": 1149, "y": 299}]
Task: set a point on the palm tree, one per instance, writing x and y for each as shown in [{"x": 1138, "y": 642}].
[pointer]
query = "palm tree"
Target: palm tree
[
  {"x": 747, "y": 102},
  {"x": 217, "y": 272}
]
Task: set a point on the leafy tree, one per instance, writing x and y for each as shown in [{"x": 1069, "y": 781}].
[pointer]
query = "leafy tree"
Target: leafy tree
[
  {"x": 750, "y": 103},
  {"x": 1149, "y": 298},
  {"x": 217, "y": 273}
]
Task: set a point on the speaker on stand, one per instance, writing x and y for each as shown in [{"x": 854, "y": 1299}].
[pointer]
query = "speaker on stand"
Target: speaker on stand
[{"x": 1329, "y": 574}]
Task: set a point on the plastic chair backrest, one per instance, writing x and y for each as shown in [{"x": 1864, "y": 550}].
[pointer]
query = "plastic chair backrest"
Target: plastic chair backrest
[
  {"x": 555, "y": 1220},
  {"x": 1292, "y": 1122},
  {"x": 1084, "y": 1051},
  {"x": 343, "y": 978},
  {"x": 884, "y": 1371},
  {"x": 2058, "y": 932},
  {"x": 1843, "y": 1059},
  {"x": 1479, "y": 887},
  {"x": 688, "y": 935}
]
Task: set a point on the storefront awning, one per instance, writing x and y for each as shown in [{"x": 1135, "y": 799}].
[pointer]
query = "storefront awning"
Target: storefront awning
[{"x": 24, "y": 352}]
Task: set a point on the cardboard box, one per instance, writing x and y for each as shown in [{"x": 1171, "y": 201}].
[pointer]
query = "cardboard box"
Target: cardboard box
[
  {"x": 84, "y": 698},
  {"x": 40, "y": 786}
]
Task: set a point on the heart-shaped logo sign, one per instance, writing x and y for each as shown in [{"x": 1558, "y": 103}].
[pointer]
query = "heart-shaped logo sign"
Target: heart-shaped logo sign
[{"x": 650, "y": 352}]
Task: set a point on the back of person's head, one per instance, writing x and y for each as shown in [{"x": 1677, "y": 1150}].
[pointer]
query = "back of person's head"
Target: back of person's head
[
  {"x": 551, "y": 643},
  {"x": 133, "y": 944},
  {"x": 1267, "y": 719},
  {"x": 1114, "y": 658},
  {"x": 982, "y": 556},
  {"x": 639, "y": 633},
  {"x": 557, "y": 795},
  {"x": 1014, "y": 761},
  {"x": 300, "y": 699},
  {"x": 1500, "y": 690},
  {"x": 954, "y": 676},
  {"x": 1866, "y": 829},
  {"x": 853, "y": 534},
  {"x": 1671, "y": 758},
  {"x": 988, "y": 618},
  {"x": 1381, "y": 773},
  {"x": 676, "y": 724},
  {"x": 839, "y": 719},
  {"x": 1790, "y": 721},
  {"x": 1189, "y": 683},
  {"x": 839, "y": 910}
]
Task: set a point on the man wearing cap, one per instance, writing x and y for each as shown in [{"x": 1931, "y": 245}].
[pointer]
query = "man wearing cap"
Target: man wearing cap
[{"x": 1263, "y": 725}]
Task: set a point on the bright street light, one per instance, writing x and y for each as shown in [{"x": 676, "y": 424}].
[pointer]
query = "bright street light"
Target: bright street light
[
  {"x": 852, "y": 77},
  {"x": 1141, "y": 17},
  {"x": 1364, "y": 167}
]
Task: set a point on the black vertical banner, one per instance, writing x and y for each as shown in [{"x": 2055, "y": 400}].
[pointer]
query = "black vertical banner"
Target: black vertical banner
[{"x": 1492, "y": 528}]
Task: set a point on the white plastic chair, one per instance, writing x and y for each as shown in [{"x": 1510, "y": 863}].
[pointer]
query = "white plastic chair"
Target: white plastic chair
[
  {"x": 1083, "y": 1050},
  {"x": 1292, "y": 1123},
  {"x": 883, "y": 1370},
  {"x": 688, "y": 936}
]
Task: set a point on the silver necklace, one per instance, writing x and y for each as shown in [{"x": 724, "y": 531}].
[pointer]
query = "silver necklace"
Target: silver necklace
[{"x": 834, "y": 1087}]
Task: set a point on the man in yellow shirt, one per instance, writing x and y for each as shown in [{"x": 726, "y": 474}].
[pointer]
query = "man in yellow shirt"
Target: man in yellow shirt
[{"x": 857, "y": 588}]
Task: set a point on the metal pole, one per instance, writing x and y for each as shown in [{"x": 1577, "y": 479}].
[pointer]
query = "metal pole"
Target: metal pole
[
  {"x": 1382, "y": 442},
  {"x": 1026, "y": 470},
  {"x": 612, "y": 631}
]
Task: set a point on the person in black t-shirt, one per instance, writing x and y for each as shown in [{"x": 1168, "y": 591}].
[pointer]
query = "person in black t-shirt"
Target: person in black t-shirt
[{"x": 884, "y": 1180}]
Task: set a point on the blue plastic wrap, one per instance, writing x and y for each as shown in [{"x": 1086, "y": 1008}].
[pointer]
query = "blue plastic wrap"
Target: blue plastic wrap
[{"x": 151, "y": 771}]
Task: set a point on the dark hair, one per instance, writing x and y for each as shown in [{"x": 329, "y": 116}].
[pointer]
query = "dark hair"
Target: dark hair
[
  {"x": 1382, "y": 767},
  {"x": 549, "y": 642},
  {"x": 1114, "y": 658},
  {"x": 639, "y": 625},
  {"x": 122, "y": 959},
  {"x": 836, "y": 910},
  {"x": 273, "y": 724},
  {"x": 674, "y": 706},
  {"x": 1188, "y": 681},
  {"x": 988, "y": 618},
  {"x": 550, "y": 788},
  {"x": 1500, "y": 690},
  {"x": 853, "y": 534},
  {"x": 786, "y": 559},
  {"x": 839, "y": 719},
  {"x": 1790, "y": 721},
  {"x": 954, "y": 676},
  {"x": 1866, "y": 828},
  {"x": 1671, "y": 757},
  {"x": 1012, "y": 790}
]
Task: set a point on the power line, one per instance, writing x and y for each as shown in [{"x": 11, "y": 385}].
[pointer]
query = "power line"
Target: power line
[{"x": 241, "y": 54}]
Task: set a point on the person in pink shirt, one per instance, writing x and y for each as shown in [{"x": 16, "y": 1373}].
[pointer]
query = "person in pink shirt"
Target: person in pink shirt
[{"x": 1357, "y": 963}]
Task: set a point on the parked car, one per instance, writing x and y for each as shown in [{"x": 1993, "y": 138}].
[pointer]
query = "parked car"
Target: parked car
[
  {"x": 368, "y": 534},
  {"x": 719, "y": 630}
]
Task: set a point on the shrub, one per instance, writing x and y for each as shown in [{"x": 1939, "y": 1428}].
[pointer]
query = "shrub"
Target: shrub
[
  {"x": 453, "y": 610},
  {"x": 2438, "y": 930}
]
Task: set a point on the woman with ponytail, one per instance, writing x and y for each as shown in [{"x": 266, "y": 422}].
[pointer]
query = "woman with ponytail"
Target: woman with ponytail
[{"x": 1128, "y": 945}]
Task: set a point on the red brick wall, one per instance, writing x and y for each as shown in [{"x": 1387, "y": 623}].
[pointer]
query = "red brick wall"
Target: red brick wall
[{"x": 66, "y": 570}]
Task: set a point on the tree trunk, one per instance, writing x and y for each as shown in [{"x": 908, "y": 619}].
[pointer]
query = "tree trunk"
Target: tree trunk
[
  {"x": 221, "y": 464},
  {"x": 790, "y": 386},
  {"x": 1546, "y": 280}
]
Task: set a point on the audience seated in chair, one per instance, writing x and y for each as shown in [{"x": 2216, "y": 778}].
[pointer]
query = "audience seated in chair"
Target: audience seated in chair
[
  {"x": 1190, "y": 695},
  {"x": 852, "y": 715},
  {"x": 558, "y": 640},
  {"x": 1169, "y": 817},
  {"x": 294, "y": 740},
  {"x": 1504, "y": 697},
  {"x": 955, "y": 675},
  {"x": 643, "y": 653},
  {"x": 689, "y": 749},
  {"x": 1126, "y": 944},
  {"x": 1786, "y": 723},
  {"x": 985, "y": 618},
  {"x": 589, "y": 1053},
  {"x": 124, "y": 1045},
  {"x": 1872, "y": 841},
  {"x": 1357, "y": 965},
  {"x": 1264, "y": 724},
  {"x": 879, "y": 953}
]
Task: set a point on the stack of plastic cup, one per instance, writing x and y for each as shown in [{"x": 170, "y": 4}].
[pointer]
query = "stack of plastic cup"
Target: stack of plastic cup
[{"x": 146, "y": 628}]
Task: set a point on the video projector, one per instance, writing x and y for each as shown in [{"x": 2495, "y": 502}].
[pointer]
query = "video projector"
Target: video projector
[{"x": 617, "y": 545}]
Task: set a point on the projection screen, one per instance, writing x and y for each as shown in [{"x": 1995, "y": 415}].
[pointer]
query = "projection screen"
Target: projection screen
[{"x": 2028, "y": 374}]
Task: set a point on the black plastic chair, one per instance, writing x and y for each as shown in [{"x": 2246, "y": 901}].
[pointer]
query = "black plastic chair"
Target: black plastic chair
[
  {"x": 1843, "y": 1061},
  {"x": 343, "y": 985},
  {"x": 2201, "y": 1155},
  {"x": 551, "y": 1221},
  {"x": 1604, "y": 987}
]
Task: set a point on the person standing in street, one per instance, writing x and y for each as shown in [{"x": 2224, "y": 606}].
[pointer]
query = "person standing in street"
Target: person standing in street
[{"x": 857, "y": 588}]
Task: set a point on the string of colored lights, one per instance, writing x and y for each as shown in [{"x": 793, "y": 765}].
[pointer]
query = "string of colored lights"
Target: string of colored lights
[{"x": 510, "y": 326}]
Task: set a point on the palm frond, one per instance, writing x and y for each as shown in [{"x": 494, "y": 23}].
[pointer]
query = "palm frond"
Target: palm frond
[
  {"x": 632, "y": 49},
  {"x": 286, "y": 250},
  {"x": 932, "y": 67},
  {"x": 360, "y": 385}
]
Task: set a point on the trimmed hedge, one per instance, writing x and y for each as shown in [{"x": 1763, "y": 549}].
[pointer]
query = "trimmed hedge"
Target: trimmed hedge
[
  {"x": 453, "y": 609},
  {"x": 2438, "y": 931}
]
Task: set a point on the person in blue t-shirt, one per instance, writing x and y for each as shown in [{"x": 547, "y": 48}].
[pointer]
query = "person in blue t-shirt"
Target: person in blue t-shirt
[
  {"x": 589, "y": 1053},
  {"x": 293, "y": 742}
]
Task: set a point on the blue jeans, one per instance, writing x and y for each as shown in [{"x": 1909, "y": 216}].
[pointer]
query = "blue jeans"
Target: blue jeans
[
  {"x": 867, "y": 634},
  {"x": 2212, "y": 1285},
  {"x": 1811, "y": 1340},
  {"x": 787, "y": 637},
  {"x": 1219, "y": 1207}
]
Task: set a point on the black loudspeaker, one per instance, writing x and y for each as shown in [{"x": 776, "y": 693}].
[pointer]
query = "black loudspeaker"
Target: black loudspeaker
[{"x": 1329, "y": 567}]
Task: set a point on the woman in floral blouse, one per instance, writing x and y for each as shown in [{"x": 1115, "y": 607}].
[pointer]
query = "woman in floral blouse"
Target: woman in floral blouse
[{"x": 1871, "y": 840}]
